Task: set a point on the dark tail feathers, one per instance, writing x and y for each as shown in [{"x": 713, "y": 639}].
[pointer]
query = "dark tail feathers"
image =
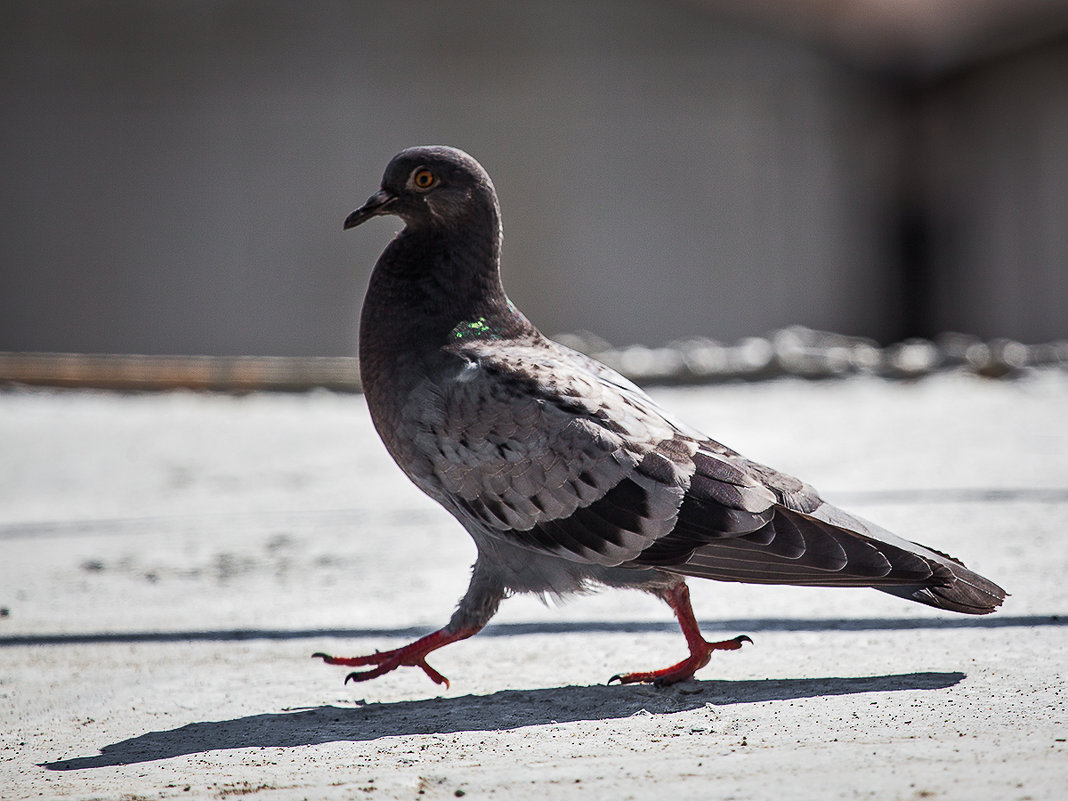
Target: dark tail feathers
[{"x": 964, "y": 591}]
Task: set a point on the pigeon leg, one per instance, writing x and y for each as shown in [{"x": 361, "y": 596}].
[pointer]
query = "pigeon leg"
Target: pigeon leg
[
  {"x": 678, "y": 598},
  {"x": 474, "y": 611}
]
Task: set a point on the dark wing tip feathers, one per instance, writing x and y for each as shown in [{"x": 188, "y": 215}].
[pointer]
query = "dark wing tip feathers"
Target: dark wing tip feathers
[
  {"x": 794, "y": 548},
  {"x": 964, "y": 591},
  {"x": 785, "y": 545}
]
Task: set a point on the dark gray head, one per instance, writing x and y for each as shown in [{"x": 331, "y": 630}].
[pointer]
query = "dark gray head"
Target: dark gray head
[{"x": 436, "y": 186}]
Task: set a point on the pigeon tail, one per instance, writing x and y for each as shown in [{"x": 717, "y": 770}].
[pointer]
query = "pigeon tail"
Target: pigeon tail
[
  {"x": 955, "y": 587},
  {"x": 965, "y": 592}
]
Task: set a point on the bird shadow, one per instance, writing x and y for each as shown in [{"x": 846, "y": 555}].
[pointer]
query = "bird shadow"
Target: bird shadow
[{"x": 503, "y": 710}]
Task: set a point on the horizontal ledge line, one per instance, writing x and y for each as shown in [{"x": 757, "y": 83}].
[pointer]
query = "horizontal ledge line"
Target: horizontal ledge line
[
  {"x": 519, "y": 629},
  {"x": 952, "y": 495},
  {"x": 143, "y": 372}
]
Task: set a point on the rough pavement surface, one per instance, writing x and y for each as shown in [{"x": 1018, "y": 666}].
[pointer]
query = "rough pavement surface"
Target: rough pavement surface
[{"x": 168, "y": 563}]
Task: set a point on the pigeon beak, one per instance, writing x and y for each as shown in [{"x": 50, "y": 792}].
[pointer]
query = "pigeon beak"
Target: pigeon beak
[{"x": 376, "y": 205}]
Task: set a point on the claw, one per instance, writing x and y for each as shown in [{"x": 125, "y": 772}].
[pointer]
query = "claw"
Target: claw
[
  {"x": 435, "y": 677},
  {"x": 361, "y": 676}
]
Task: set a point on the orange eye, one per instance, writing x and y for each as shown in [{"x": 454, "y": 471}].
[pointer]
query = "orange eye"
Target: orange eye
[{"x": 424, "y": 179}]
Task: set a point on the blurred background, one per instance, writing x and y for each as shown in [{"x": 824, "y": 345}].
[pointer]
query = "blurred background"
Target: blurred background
[{"x": 175, "y": 174}]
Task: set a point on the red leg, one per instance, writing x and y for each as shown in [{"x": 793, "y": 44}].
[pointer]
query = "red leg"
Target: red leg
[
  {"x": 474, "y": 611},
  {"x": 678, "y": 598},
  {"x": 412, "y": 655}
]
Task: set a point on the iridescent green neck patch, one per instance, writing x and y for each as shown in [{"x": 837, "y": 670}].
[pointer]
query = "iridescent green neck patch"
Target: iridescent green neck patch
[{"x": 472, "y": 329}]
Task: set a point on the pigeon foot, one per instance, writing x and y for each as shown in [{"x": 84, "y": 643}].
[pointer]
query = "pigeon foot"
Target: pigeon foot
[
  {"x": 411, "y": 655},
  {"x": 685, "y": 669},
  {"x": 678, "y": 598}
]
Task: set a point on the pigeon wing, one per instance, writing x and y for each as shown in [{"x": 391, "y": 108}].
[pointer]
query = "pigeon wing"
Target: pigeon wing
[
  {"x": 548, "y": 449},
  {"x": 531, "y": 443}
]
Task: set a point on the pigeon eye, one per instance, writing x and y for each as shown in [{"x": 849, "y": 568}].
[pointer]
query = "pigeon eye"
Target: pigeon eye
[{"x": 423, "y": 179}]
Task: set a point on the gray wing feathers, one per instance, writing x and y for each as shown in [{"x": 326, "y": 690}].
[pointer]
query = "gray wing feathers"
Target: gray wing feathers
[
  {"x": 793, "y": 548},
  {"x": 831, "y": 548},
  {"x": 522, "y": 456}
]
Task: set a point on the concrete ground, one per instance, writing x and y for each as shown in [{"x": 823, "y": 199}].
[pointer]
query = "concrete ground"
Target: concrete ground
[{"x": 169, "y": 562}]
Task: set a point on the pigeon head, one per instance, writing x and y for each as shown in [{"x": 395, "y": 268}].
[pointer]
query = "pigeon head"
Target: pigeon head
[{"x": 432, "y": 186}]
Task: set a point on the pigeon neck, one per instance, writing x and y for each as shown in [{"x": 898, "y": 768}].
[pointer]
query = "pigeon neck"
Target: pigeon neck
[{"x": 432, "y": 287}]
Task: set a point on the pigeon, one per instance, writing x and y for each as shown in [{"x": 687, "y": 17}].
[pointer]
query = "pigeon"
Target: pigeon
[{"x": 567, "y": 476}]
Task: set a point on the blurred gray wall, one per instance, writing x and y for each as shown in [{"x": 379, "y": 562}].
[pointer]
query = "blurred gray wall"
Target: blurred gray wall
[
  {"x": 996, "y": 145},
  {"x": 176, "y": 173}
]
